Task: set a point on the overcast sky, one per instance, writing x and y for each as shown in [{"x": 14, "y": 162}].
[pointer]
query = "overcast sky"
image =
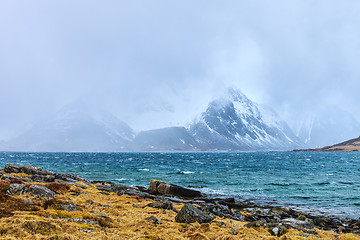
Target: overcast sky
[{"x": 156, "y": 63}]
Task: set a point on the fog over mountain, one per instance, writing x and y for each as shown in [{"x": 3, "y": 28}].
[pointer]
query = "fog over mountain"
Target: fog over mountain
[{"x": 157, "y": 64}]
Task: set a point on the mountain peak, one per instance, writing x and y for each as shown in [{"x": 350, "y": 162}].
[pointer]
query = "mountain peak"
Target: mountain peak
[{"x": 234, "y": 122}]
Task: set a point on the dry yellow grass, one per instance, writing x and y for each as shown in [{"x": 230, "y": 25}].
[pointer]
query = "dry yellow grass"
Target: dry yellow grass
[{"x": 125, "y": 219}]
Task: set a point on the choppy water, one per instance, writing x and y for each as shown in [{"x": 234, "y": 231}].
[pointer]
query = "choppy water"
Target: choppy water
[{"x": 325, "y": 182}]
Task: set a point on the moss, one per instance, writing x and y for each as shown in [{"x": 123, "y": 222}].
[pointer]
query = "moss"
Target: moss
[
  {"x": 40, "y": 227},
  {"x": 58, "y": 187}
]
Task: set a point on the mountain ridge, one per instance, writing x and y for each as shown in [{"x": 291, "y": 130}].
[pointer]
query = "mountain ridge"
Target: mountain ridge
[{"x": 231, "y": 122}]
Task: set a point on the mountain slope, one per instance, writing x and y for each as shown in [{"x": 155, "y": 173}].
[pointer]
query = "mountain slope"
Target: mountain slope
[
  {"x": 234, "y": 122},
  {"x": 165, "y": 139},
  {"x": 352, "y": 145},
  {"x": 326, "y": 126},
  {"x": 75, "y": 128}
]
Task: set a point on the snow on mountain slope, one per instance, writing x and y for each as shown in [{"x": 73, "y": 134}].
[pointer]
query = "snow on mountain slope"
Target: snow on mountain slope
[
  {"x": 234, "y": 122},
  {"x": 327, "y": 126},
  {"x": 75, "y": 128}
]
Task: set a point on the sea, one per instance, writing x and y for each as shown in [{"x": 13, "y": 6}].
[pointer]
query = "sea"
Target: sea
[{"x": 317, "y": 182}]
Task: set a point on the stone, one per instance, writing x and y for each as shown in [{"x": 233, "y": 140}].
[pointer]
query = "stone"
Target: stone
[
  {"x": 40, "y": 191},
  {"x": 43, "y": 178},
  {"x": 31, "y": 170},
  {"x": 154, "y": 220},
  {"x": 90, "y": 201},
  {"x": 220, "y": 223},
  {"x": 12, "y": 168},
  {"x": 135, "y": 206},
  {"x": 275, "y": 231},
  {"x": 235, "y": 231},
  {"x": 68, "y": 177},
  {"x": 15, "y": 188},
  {"x": 28, "y": 201},
  {"x": 163, "y": 205},
  {"x": 120, "y": 220},
  {"x": 165, "y": 188},
  {"x": 121, "y": 189},
  {"x": 70, "y": 207},
  {"x": 189, "y": 214}
]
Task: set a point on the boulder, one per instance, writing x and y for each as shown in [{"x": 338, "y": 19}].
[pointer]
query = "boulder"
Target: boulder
[
  {"x": 189, "y": 214},
  {"x": 162, "y": 205},
  {"x": 71, "y": 207},
  {"x": 12, "y": 168},
  {"x": 15, "y": 188},
  {"x": 165, "y": 188},
  {"x": 154, "y": 220},
  {"x": 121, "y": 189},
  {"x": 31, "y": 170},
  {"x": 40, "y": 191}
]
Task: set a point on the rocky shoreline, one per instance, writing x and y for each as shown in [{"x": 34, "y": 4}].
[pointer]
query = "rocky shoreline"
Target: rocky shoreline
[{"x": 196, "y": 207}]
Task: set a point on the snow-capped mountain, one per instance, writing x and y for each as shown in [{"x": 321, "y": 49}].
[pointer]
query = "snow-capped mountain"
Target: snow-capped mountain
[
  {"x": 325, "y": 127},
  {"x": 234, "y": 122},
  {"x": 75, "y": 128}
]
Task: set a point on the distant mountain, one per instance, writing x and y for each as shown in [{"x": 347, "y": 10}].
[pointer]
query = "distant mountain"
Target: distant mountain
[
  {"x": 352, "y": 145},
  {"x": 170, "y": 139},
  {"x": 325, "y": 127},
  {"x": 230, "y": 123},
  {"x": 234, "y": 122},
  {"x": 75, "y": 128}
]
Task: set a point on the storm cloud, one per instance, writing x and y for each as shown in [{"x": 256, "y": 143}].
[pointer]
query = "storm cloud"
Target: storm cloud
[{"x": 158, "y": 63}]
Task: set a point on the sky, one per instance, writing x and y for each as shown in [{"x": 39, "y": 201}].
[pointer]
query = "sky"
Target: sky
[{"x": 158, "y": 63}]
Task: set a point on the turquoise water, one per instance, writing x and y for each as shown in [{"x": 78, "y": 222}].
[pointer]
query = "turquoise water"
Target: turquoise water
[{"x": 323, "y": 182}]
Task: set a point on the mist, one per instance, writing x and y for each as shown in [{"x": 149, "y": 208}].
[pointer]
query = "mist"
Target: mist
[{"x": 157, "y": 63}]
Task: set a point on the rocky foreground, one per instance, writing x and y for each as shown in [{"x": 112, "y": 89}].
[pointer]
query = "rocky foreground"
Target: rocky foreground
[{"x": 37, "y": 204}]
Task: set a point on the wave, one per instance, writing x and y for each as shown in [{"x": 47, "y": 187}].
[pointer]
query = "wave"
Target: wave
[
  {"x": 184, "y": 172},
  {"x": 322, "y": 183},
  {"x": 120, "y": 179},
  {"x": 282, "y": 184}
]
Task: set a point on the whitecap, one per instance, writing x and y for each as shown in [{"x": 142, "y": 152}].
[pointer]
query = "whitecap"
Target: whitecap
[
  {"x": 144, "y": 169},
  {"x": 120, "y": 179}
]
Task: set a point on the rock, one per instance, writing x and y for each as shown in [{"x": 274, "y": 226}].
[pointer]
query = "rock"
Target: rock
[
  {"x": 40, "y": 191},
  {"x": 189, "y": 214},
  {"x": 15, "y": 188},
  {"x": 12, "y": 168},
  {"x": 121, "y": 189},
  {"x": 217, "y": 209},
  {"x": 31, "y": 170},
  {"x": 220, "y": 224},
  {"x": 235, "y": 231},
  {"x": 164, "y": 188},
  {"x": 71, "y": 207},
  {"x": 68, "y": 177},
  {"x": 154, "y": 220},
  {"x": 28, "y": 201},
  {"x": 90, "y": 201},
  {"x": 135, "y": 206},
  {"x": 120, "y": 220},
  {"x": 43, "y": 178},
  {"x": 275, "y": 231},
  {"x": 256, "y": 224},
  {"x": 84, "y": 221},
  {"x": 87, "y": 230},
  {"x": 162, "y": 205}
]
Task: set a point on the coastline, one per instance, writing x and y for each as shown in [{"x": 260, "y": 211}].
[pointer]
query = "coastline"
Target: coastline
[{"x": 75, "y": 208}]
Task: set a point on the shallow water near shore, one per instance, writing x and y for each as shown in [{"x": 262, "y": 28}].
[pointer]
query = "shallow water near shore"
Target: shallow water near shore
[{"x": 326, "y": 183}]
